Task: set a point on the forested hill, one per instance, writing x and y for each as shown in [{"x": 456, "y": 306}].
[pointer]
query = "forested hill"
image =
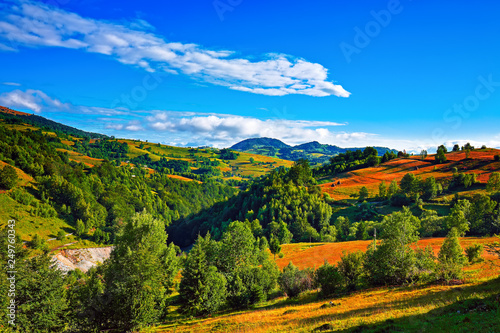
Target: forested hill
[
  {"x": 15, "y": 117},
  {"x": 315, "y": 152},
  {"x": 284, "y": 205}
]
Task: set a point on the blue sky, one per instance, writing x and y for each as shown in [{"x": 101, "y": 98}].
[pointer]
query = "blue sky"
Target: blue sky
[{"x": 404, "y": 74}]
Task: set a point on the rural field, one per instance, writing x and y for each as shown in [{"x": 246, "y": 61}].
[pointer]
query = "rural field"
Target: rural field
[
  {"x": 481, "y": 162},
  {"x": 436, "y": 307}
]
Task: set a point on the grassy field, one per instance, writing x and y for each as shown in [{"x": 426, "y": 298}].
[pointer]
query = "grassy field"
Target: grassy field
[{"x": 469, "y": 307}]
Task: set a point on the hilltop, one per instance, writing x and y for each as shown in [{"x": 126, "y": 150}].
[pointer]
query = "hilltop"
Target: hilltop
[{"x": 314, "y": 151}]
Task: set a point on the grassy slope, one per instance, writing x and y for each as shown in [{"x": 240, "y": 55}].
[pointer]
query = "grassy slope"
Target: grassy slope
[
  {"x": 481, "y": 162},
  {"x": 429, "y": 308},
  {"x": 241, "y": 167}
]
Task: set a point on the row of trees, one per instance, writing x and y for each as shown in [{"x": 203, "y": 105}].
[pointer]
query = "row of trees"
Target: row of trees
[{"x": 393, "y": 261}]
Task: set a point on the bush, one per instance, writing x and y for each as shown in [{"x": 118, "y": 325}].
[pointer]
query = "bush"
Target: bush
[
  {"x": 22, "y": 196},
  {"x": 497, "y": 158},
  {"x": 38, "y": 243},
  {"x": 61, "y": 235},
  {"x": 294, "y": 281},
  {"x": 474, "y": 253},
  {"x": 425, "y": 264},
  {"x": 351, "y": 268},
  {"x": 400, "y": 200},
  {"x": 8, "y": 177},
  {"x": 329, "y": 279}
]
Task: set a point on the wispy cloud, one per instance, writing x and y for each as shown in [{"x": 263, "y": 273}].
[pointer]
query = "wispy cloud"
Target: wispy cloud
[
  {"x": 32, "y": 24},
  {"x": 38, "y": 102},
  {"x": 11, "y": 84}
]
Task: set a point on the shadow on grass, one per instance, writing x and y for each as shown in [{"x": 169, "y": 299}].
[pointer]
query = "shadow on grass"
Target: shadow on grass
[{"x": 470, "y": 313}]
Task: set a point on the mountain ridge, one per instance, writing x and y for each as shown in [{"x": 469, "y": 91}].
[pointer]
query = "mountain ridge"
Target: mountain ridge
[{"x": 314, "y": 151}]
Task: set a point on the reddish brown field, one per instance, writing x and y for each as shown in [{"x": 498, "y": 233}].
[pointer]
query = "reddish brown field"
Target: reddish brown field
[
  {"x": 304, "y": 255},
  {"x": 182, "y": 178},
  {"x": 481, "y": 162}
]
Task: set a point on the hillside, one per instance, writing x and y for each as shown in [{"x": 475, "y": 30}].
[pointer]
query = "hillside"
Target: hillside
[
  {"x": 434, "y": 307},
  {"x": 315, "y": 152},
  {"x": 481, "y": 162},
  {"x": 15, "y": 117}
]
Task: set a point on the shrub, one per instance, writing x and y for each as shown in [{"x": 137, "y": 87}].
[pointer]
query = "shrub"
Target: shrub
[
  {"x": 294, "y": 281},
  {"x": 61, "y": 234},
  {"x": 38, "y": 243},
  {"x": 496, "y": 157},
  {"x": 350, "y": 267},
  {"x": 400, "y": 200},
  {"x": 474, "y": 253},
  {"x": 425, "y": 264},
  {"x": 329, "y": 279},
  {"x": 451, "y": 258}
]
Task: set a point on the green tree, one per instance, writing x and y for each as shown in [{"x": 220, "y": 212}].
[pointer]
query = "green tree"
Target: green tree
[
  {"x": 456, "y": 147},
  {"x": 370, "y": 151},
  {"x": 80, "y": 228},
  {"x": 329, "y": 279},
  {"x": 440, "y": 156},
  {"x": 459, "y": 217},
  {"x": 451, "y": 258},
  {"x": 40, "y": 296},
  {"x": 141, "y": 273},
  {"x": 410, "y": 185},
  {"x": 430, "y": 188},
  {"x": 493, "y": 182},
  {"x": 8, "y": 177},
  {"x": 431, "y": 224},
  {"x": 394, "y": 262},
  {"x": 342, "y": 224},
  {"x": 351, "y": 268},
  {"x": 382, "y": 190},
  {"x": 202, "y": 288},
  {"x": 251, "y": 160},
  {"x": 274, "y": 246},
  {"x": 423, "y": 154},
  {"x": 393, "y": 189},
  {"x": 363, "y": 194}
]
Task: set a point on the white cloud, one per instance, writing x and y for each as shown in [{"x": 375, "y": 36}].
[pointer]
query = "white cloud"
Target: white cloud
[
  {"x": 34, "y": 100},
  {"x": 37, "y": 25},
  {"x": 38, "y": 102},
  {"x": 11, "y": 84}
]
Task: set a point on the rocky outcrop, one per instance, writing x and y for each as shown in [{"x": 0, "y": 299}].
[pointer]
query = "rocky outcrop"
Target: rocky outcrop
[{"x": 82, "y": 259}]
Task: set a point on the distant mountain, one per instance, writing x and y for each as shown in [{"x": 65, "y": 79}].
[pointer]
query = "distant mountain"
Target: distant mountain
[
  {"x": 259, "y": 142},
  {"x": 13, "y": 117},
  {"x": 313, "y": 151}
]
